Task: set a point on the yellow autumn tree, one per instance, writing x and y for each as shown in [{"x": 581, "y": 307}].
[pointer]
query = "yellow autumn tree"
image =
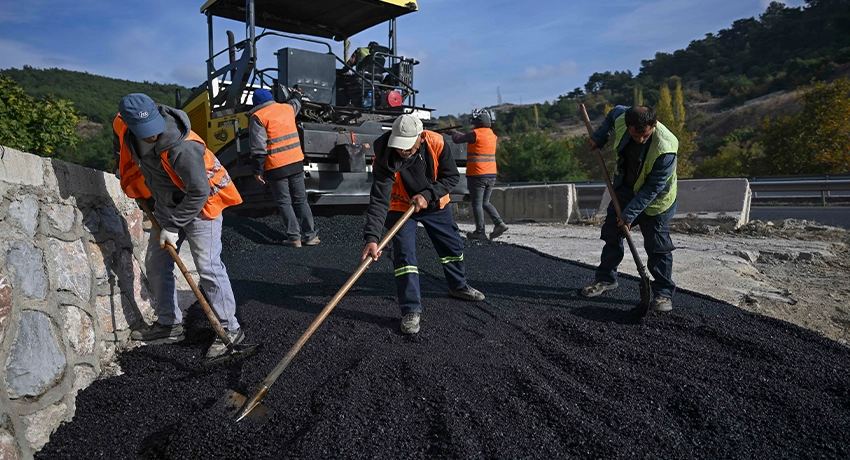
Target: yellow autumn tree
[{"x": 676, "y": 124}]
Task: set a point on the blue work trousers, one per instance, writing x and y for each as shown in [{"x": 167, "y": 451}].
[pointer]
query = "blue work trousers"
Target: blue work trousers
[
  {"x": 444, "y": 234},
  {"x": 204, "y": 237},
  {"x": 290, "y": 195},
  {"x": 480, "y": 189},
  {"x": 656, "y": 241}
]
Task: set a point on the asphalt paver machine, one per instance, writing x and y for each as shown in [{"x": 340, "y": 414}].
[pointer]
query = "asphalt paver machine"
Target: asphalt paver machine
[{"x": 347, "y": 104}]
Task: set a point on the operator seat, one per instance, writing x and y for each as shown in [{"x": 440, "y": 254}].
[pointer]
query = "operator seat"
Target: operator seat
[{"x": 372, "y": 67}]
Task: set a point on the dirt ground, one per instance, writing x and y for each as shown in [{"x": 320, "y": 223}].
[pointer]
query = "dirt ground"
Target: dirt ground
[
  {"x": 793, "y": 270},
  {"x": 817, "y": 287}
]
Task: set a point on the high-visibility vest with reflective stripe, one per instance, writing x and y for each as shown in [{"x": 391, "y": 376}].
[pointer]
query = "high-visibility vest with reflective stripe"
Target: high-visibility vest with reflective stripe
[
  {"x": 663, "y": 142},
  {"x": 399, "y": 200},
  {"x": 223, "y": 192},
  {"x": 132, "y": 180},
  {"x": 283, "y": 145},
  {"x": 481, "y": 154}
]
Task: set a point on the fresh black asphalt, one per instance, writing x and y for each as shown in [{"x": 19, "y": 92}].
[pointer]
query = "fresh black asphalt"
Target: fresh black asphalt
[{"x": 534, "y": 371}]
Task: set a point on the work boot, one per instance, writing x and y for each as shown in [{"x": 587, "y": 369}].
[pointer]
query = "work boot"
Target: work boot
[
  {"x": 291, "y": 243},
  {"x": 661, "y": 304},
  {"x": 166, "y": 333},
  {"x": 497, "y": 232},
  {"x": 312, "y": 241},
  {"x": 467, "y": 293},
  {"x": 218, "y": 347},
  {"x": 410, "y": 323},
  {"x": 476, "y": 236},
  {"x": 597, "y": 288}
]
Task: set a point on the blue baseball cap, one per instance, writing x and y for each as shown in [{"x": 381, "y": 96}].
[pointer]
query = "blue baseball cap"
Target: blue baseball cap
[
  {"x": 141, "y": 115},
  {"x": 262, "y": 95}
]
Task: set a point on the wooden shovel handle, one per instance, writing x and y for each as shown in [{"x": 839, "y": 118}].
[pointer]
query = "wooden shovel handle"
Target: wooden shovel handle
[
  {"x": 334, "y": 301},
  {"x": 201, "y": 299},
  {"x": 641, "y": 268}
]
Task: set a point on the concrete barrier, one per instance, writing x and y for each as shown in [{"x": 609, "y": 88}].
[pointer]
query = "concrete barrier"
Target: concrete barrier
[
  {"x": 724, "y": 202},
  {"x": 538, "y": 203}
]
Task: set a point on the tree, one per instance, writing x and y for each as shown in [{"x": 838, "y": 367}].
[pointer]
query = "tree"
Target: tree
[
  {"x": 667, "y": 116},
  {"x": 535, "y": 157},
  {"x": 679, "y": 106},
  {"x": 816, "y": 140},
  {"x": 638, "y": 96},
  {"x": 664, "y": 107},
  {"x": 35, "y": 125}
]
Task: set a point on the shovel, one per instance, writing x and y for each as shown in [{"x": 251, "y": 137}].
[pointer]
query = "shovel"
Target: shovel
[
  {"x": 233, "y": 351},
  {"x": 251, "y": 408},
  {"x": 645, "y": 289}
]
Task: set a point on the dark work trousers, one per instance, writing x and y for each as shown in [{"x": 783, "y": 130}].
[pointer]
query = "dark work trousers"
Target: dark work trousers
[
  {"x": 480, "y": 189},
  {"x": 656, "y": 240},
  {"x": 445, "y": 235},
  {"x": 291, "y": 198}
]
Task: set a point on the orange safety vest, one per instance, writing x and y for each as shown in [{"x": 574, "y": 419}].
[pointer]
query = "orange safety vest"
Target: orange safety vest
[
  {"x": 399, "y": 200},
  {"x": 481, "y": 154},
  {"x": 283, "y": 145},
  {"x": 223, "y": 192}
]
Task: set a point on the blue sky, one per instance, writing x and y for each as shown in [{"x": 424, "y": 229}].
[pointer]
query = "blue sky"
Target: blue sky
[{"x": 529, "y": 51}]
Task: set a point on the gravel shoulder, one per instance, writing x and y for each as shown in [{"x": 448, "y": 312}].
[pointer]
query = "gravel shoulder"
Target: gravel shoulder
[{"x": 791, "y": 270}]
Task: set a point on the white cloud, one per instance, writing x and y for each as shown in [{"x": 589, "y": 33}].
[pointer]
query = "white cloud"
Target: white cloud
[
  {"x": 18, "y": 54},
  {"x": 546, "y": 72}
]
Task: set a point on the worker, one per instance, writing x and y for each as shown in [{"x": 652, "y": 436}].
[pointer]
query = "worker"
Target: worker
[
  {"x": 415, "y": 167},
  {"x": 645, "y": 185},
  {"x": 481, "y": 173},
  {"x": 360, "y": 54},
  {"x": 163, "y": 159},
  {"x": 279, "y": 162}
]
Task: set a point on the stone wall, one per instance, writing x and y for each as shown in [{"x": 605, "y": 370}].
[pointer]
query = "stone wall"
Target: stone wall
[{"x": 71, "y": 287}]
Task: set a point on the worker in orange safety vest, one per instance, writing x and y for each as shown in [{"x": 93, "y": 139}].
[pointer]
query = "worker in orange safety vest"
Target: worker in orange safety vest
[
  {"x": 481, "y": 173},
  {"x": 161, "y": 158},
  {"x": 279, "y": 163}
]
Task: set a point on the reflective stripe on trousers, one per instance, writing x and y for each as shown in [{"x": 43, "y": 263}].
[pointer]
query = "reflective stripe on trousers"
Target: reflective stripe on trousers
[{"x": 445, "y": 235}]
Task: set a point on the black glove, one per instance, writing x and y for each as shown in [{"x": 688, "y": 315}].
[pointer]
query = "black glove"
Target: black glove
[
  {"x": 150, "y": 201},
  {"x": 296, "y": 95}
]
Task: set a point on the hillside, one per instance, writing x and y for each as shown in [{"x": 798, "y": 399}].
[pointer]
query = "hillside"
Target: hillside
[{"x": 96, "y": 98}]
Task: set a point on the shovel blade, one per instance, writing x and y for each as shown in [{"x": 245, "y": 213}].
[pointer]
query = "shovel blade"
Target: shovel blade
[
  {"x": 233, "y": 402},
  {"x": 642, "y": 309}
]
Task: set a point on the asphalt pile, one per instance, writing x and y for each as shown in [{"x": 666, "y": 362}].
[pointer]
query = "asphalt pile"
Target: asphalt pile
[{"x": 534, "y": 371}]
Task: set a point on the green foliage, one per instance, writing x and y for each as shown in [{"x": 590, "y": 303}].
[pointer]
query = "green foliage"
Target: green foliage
[
  {"x": 815, "y": 141},
  {"x": 735, "y": 158},
  {"x": 534, "y": 157},
  {"x": 96, "y": 98},
  {"x": 753, "y": 57},
  {"x": 35, "y": 125}
]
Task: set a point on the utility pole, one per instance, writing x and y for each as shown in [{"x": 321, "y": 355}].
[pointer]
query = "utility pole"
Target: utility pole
[{"x": 499, "y": 95}]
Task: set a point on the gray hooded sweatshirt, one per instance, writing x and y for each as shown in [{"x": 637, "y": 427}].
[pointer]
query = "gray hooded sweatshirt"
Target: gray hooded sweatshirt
[{"x": 175, "y": 207}]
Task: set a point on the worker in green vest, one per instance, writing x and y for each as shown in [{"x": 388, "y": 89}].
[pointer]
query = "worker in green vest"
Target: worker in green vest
[{"x": 645, "y": 185}]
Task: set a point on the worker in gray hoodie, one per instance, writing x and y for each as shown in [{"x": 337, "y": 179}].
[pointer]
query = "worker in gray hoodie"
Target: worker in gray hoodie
[{"x": 161, "y": 158}]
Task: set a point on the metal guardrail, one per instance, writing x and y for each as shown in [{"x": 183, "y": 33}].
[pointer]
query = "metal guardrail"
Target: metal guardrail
[{"x": 764, "y": 188}]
